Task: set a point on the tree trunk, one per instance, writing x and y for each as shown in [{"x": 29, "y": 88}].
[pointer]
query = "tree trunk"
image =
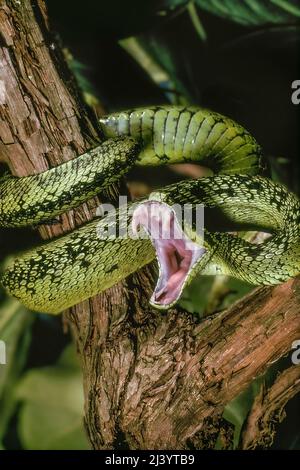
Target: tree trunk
[{"x": 151, "y": 379}]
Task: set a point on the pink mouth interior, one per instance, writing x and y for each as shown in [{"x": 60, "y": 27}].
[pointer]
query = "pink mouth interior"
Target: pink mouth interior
[{"x": 176, "y": 253}]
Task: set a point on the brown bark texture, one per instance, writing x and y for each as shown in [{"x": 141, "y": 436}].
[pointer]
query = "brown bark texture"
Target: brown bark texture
[
  {"x": 152, "y": 380},
  {"x": 268, "y": 409}
]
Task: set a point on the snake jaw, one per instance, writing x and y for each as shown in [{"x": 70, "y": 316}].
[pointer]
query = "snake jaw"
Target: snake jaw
[{"x": 175, "y": 252}]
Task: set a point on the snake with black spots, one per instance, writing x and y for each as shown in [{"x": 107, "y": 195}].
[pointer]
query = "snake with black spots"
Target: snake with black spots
[{"x": 67, "y": 270}]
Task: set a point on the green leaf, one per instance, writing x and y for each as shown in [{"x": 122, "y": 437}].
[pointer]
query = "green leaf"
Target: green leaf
[
  {"x": 195, "y": 19},
  {"x": 15, "y": 331},
  {"x": 237, "y": 410},
  {"x": 158, "y": 58},
  {"x": 253, "y": 12},
  {"x": 51, "y": 413}
]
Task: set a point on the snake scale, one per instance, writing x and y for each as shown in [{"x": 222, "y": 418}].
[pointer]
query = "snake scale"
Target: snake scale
[{"x": 60, "y": 273}]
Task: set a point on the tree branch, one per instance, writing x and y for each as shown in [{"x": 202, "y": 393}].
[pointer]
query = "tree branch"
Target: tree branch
[
  {"x": 268, "y": 410},
  {"x": 151, "y": 380}
]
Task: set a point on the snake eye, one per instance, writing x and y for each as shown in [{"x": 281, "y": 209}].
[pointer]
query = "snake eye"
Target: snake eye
[{"x": 175, "y": 252}]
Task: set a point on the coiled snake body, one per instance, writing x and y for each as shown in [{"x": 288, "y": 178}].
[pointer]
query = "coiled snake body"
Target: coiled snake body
[{"x": 80, "y": 264}]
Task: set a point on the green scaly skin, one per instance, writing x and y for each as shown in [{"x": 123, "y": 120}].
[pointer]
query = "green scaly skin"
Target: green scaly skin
[
  {"x": 79, "y": 265},
  {"x": 172, "y": 134},
  {"x": 33, "y": 199},
  {"x": 256, "y": 203}
]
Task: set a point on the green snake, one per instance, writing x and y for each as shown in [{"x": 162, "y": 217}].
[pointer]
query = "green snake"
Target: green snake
[{"x": 67, "y": 270}]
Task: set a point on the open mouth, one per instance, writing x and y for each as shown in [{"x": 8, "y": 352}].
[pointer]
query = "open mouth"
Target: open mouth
[{"x": 175, "y": 252}]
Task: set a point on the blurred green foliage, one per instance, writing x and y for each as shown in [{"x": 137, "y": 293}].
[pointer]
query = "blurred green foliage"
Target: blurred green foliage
[
  {"x": 253, "y": 12},
  {"x": 51, "y": 406},
  {"x": 221, "y": 54},
  {"x": 15, "y": 332}
]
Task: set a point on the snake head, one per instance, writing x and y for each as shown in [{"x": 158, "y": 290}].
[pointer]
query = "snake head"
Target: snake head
[{"x": 176, "y": 253}]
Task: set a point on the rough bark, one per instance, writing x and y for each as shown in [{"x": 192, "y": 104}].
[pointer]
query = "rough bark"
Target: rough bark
[
  {"x": 268, "y": 410},
  {"x": 151, "y": 380}
]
